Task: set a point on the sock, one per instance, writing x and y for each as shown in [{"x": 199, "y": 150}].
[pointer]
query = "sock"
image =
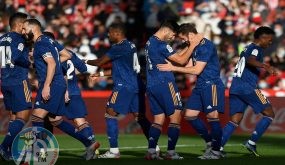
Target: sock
[
  {"x": 216, "y": 133},
  {"x": 37, "y": 121},
  {"x": 200, "y": 127},
  {"x": 47, "y": 124},
  {"x": 69, "y": 129},
  {"x": 87, "y": 132},
  {"x": 154, "y": 133},
  {"x": 13, "y": 129},
  {"x": 260, "y": 128},
  {"x": 112, "y": 131},
  {"x": 145, "y": 125},
  {"x": 228, "y": 131},
  {"x": 173, "y": 134}
]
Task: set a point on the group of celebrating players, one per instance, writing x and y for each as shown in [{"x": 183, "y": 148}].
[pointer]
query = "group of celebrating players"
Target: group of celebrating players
[{"x": 59, "y": 95}]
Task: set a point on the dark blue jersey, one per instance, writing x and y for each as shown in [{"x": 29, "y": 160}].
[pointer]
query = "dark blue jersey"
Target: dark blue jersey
[
  {"x": 44, "y": 47},
  {"x": 207, "y": 52},
  {"x": 125, "y": 66},
  {"x": 245, "y": 77},
  {"x": 68, "y": 68},
  {"x": 14, "y": 59},
  {"x": 157, "y": 52}
]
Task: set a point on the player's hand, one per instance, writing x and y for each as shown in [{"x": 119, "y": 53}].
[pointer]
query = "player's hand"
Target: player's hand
[
  {"x": 165, "y": 67},
  {"x": 93, "y": 77},
  {"x": 270, "y": 70},
  {"x": 66, "y": 97},
  {"x": 194, "y": 41},
  {"x": 46, "y": 93}
]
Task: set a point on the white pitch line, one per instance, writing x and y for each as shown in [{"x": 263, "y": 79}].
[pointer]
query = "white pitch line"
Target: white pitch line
[{"x": 145, "y": 147}]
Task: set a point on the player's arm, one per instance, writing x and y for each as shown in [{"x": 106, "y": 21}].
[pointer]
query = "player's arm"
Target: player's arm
[
  {"x": 64, "y": 55},
  {"x": 99, "y": 62},
  {"x": 79, "y": 64},
  {"x": 95, "y": 76},
  {"x": 102, "y": 73},
  {"x": 182, "y": 56},
  {"x": 49, "y": 76},
  {"x": 251, "y": 61},
  {"x": 21, "y": 61},
  {"x": 195, "y": 70},
  {"x": 19, "y": 57}
]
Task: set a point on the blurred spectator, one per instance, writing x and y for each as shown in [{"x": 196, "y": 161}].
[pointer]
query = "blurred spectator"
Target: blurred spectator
[{"x": 100, "y": 42}]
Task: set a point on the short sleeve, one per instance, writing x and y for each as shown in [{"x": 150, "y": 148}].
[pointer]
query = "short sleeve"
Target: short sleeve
[
  {"x": 78, "y": 63},
  {"x": 44, "y": 51},
  {"x": 203, "y": 53},
  {"x": 58, "y": 46},
  {"x": 166, "y": 50}
]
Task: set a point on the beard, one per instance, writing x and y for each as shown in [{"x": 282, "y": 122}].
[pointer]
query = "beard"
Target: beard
[{"x": 30, "y": 36}]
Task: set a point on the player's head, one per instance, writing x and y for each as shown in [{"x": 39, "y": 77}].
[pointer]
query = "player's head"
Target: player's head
[
  {"x": 169, "y": 29},
  {"x": 31, "y": 29},
  {"x": 117, "y": 32},
  {"x": 263, "y": 36},
  {"x": 186, "y": 31},
  {"x": 49, "y": 34},
  {"x": 16, "y": 21}
]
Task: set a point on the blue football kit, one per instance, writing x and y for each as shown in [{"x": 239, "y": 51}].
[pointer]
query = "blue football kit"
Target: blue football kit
[
  {"x": 208, "y": 94},
  {"x": 76, "y": 107},
  {"x": 125, "y": 69},
  {"x": 161, "y": 88},
  {"x": 14, "y": 72},
  {"x": 44, "y": 47},
  {"x": 244, "y": 90}
]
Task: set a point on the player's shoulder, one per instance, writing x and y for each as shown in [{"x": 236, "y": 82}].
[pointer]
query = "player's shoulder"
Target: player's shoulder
[
  {"x": 12, "y": 37},
  {"x": 43, "y": 42},
  {"x": 43, "y": 39},
  {"x": 253, "y": 49},
  {"x": 6, "y": 38},
  {"x": 206, "y": 44}
]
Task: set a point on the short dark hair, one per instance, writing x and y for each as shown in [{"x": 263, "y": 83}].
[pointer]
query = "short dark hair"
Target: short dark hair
[
  {"x": 49, "y": 34},
  {"x": 33, "y": 21},
  {"x": 187, "y": 28},
  {"x": 17, "y": 17},
  {"x": 171, "y": 24},
  {"x": 263, "y": 30},
  {"x": 118, "y": 26}
]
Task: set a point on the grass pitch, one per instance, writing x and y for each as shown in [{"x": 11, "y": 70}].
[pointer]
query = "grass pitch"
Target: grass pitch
[{"x": 133, "y": 148}]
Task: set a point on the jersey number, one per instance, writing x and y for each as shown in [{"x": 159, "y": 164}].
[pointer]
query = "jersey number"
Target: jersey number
[
  {"x": 239, "y": 67},
  {"x": 6, "y": 55},
  {"x": 136, "y": 64},
  {"x": 70, "y": 70}
]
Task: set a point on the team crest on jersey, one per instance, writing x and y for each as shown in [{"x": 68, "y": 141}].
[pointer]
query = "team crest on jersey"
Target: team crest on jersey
[
  {"x": 254, "y": 52},
  {"x": 169, "y": 48},
  {"x": 21, "y": 46}
]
